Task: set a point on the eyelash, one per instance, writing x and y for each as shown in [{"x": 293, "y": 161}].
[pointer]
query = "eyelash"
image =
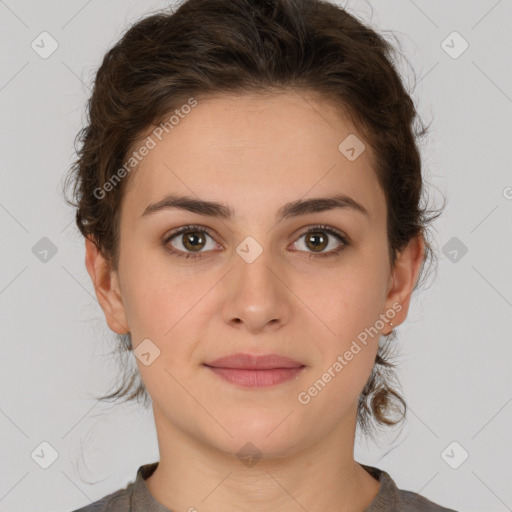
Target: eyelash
[{"x": 200, "y": 229}]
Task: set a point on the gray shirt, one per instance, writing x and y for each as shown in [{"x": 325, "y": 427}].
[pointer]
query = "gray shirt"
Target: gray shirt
[{"x": 135, "y": 497}]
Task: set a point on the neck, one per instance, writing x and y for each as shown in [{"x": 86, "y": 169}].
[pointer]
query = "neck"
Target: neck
[{"x": 324, "y": 476}]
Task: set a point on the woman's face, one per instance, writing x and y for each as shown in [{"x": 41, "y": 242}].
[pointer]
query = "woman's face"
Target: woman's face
[{"x": 256, "y": 283}]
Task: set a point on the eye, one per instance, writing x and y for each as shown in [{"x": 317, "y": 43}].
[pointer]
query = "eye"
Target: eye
[
  {"x": 191, "y": 238},
  {"x": 316, "y": 239},
  {"x": 194, "y": 238}
]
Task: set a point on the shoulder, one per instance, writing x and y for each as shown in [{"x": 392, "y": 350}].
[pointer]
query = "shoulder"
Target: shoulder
[
  {"x": 133, "y": 496},
  {"x": 413, "y": 502},
  {"x": 117, "y": 501},
  {"x": 392, "y": 499}
]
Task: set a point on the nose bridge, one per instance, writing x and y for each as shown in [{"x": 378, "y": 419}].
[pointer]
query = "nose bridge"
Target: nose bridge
[
  {"x": 253, "y": 264},
  {"x": 257, "y": 294}
]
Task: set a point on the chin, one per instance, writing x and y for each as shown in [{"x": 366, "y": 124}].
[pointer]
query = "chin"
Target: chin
[{"x": 267, "y": 436}]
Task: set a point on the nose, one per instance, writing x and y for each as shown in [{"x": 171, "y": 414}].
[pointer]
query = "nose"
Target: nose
[{"x": 257, "y": 297}]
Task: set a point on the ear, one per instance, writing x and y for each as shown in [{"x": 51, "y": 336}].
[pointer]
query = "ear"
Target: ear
[
  {"x": 106, "y": 286},
  {"x": 404, "y": 276}
]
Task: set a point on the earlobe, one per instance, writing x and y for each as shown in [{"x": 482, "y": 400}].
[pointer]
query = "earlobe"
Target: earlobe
[
  {"x": 404, "y": 277},
  {"x": 106, "y": 287}
]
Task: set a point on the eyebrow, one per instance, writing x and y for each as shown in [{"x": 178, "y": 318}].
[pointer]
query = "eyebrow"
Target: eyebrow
[{"x": 289, "y": 210}]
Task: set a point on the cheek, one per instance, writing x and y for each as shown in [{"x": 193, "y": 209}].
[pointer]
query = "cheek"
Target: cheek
[
  {"x": 348, "y": 308},
  {"x": 347, "y": 300},
  {"x": 152, "y": 295},
  {"x": 347, "y": 350},
  {"x": 159, "y": 309}
]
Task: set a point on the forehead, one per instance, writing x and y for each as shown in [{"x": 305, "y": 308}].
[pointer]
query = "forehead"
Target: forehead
[{"x": 272, "y": 147}]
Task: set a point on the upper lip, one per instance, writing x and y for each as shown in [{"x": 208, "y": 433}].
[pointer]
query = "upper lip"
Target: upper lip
[{"x": 250, "y": 362}]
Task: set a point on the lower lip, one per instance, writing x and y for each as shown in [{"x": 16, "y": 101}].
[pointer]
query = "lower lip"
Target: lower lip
[{"x": 256, "y": 378}]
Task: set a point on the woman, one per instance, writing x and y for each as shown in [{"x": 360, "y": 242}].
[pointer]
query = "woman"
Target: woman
[{"x": 249, "y": 188}]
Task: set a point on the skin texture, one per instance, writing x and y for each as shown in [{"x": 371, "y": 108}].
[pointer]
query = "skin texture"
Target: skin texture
[{"x": 255, "y": 153}]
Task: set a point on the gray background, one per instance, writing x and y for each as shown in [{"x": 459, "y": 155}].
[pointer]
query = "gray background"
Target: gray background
[{"x": 455, "y": 345}]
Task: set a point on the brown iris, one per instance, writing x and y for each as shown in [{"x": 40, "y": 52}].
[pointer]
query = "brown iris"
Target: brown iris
[
  {"x": 317, "y": 235},
  {"x": 191, "y": 239}
]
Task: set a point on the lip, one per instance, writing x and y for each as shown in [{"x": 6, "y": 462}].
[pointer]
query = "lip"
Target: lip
[
  {"x": 255, "y": 371},
  {"x": 249, "y": 362}
]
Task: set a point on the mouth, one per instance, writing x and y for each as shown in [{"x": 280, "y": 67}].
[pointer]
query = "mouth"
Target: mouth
[{"x": 256, "y": 371}]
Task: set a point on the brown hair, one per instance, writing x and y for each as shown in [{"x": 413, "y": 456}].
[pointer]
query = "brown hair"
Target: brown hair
[{"x": 211, "y": 47}]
